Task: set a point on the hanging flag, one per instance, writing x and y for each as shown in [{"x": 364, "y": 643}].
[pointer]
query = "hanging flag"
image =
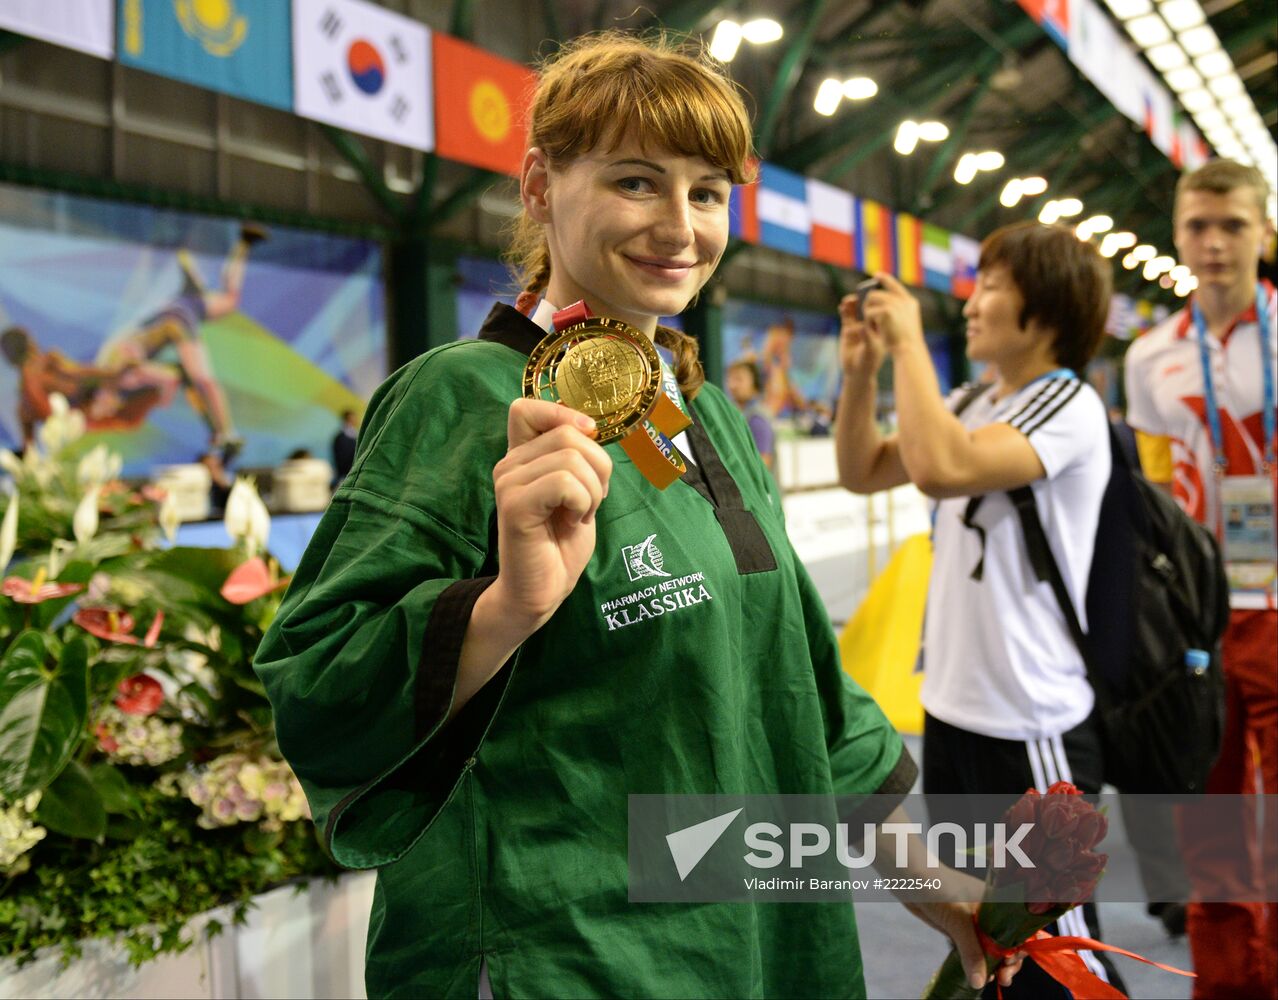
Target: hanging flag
[
  {"x": 935, "y": 257},
  {"x": 909, "y": 249},
  {"x": 84, "y": 25},
  {"x": 743, "y": 212},
  {"x": 833, "y": 213},
  {"x": 363, "y": 68},
  {"x": 876, "y": 238},
  {"x": 1052, "y": 16},
  {"x": 236, "y": 47},
  {"x": 965, "y": 255},
  {"x": 481, "y": 106},
  {"x": 784, "y": 220}
]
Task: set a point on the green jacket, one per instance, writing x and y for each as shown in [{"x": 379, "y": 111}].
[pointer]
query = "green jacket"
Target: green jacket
[{"x": 503, "y": 834}]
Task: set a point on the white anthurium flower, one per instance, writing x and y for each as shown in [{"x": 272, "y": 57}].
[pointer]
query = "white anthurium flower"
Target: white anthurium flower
[
  {"x": 50, "y": 434},
  {"x": 169, "y": 520},
  {"x": 85, "y": 522},
  {"x": 74, "y": 427},
  {"x": 9, "y": 532},
  {"x": 40, "y": 468},
  {"x": 10, "y": 463},
  {"x": 259, "y": 525},
  {"x": 58, "y": 404},
  {"x": 114, "y": 465},
  {"x": 92, "y": 469},
  {"x": 59, "y": 552},
  {"x": 236, "y": 518}
]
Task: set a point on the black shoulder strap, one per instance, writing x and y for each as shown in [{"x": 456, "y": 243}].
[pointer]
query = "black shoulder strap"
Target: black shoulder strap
[
  {"x": 970, "y": 396},
  {"x": 1045, "y": 568}
]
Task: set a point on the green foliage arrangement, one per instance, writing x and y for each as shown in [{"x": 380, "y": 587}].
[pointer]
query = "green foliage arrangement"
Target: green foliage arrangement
[{"x": 140, "y": 781}]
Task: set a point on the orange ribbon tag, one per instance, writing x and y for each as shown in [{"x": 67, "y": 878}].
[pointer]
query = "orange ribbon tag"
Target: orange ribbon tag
[{"x": 649, "y": 447}]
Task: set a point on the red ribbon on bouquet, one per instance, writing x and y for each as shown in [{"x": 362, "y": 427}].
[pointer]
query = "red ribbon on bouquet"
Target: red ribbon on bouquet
[{"x": 1059, "y": 958}]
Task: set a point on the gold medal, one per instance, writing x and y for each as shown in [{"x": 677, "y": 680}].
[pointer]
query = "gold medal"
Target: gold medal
[
  {"x": 603, "y": 367},
  {"x": 610, "y": 371}
]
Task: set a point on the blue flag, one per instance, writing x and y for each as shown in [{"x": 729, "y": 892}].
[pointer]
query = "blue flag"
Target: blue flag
[{"x": 238, "y": 47}]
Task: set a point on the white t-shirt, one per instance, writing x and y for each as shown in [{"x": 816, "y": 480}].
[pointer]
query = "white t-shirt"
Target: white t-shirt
[
  {"x": 999, "y": 659},
  {"x": 1166, "y": 398}
]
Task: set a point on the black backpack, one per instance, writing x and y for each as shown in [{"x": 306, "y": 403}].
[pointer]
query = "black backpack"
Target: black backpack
[{"x": 1157, "y": 591}]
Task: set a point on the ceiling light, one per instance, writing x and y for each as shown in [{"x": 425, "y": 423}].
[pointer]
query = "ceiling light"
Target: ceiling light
[
  {"x": 1183, "y": 288},
  {"x": 965, "y": 169},
  {"x": 1012, "y": 193},
  {"x": 1236, "y": 106},
  {"x": 933, "y": 131},
  {"x": 1033, "y": 185},
  {"x": 1215, "y": 63},
  {"x": 1163, "y": 263},
  {"x": 1107, "y": 249},
  {"x": 1226, "y": 86},
  {"x": 1148, "y": 30},
  {"x": 1165, "y": 281},
  {"x": 1122, "y": 240},
  {"x": 989, "y": 160},
  {"x": 907, "y": 137},
  {"x": 1178, "y": 273},
  {"x": 859, "y": 88},
  {"x": 1050, "y": 214},
  {"x": 1200, "y": 40},
  {"x": 1185, "y": 78},
  {"x": 1131, "y": 261},
  {"x": 1123, "y": 9},
  {"x": 828, "y": 96},
  {"x": 1209, "y": 118},
  {"x": 1149, "y": 272},
  {"x": 1099, "y": 223},
  {"x": 726, "y": 40},
  {"x": 1167, "y": 56},
  {"x": 1196, "y": 100},
  {"x": 1182, "y": 14},
  {"x": 1144, "y": 252},
  {"x": 761, "y": 31},
  {"x": 1069, "y": 207}
]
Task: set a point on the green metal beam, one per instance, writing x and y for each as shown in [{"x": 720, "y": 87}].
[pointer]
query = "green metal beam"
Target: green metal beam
[
  {"x": 463, "y": 195},
  {"x": 10, "y": 40},
  {"x": 1262, "y": 30},
  {"x": 462, "y": 22},
  {"x": 684, "y": 17},
  {"x": 788, "y": 73},
  {"x": 354, "y": 154},
  {"x": 923, "y": 94},
  {"x": 949, "y": 149}
]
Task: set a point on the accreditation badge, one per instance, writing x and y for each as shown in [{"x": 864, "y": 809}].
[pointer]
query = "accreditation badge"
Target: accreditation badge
[
  {"x": 611, "y": 371},
  {"x": 1249, "y": 533}
]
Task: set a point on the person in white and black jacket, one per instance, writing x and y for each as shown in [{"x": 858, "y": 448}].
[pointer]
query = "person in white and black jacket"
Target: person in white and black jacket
[{"x": 1005, "y": 690}]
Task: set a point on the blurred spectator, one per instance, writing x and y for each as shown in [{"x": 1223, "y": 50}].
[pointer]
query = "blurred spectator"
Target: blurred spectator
[
  {"x": 344, "y": 447},
  {"x": 744, "y": 385},
  {"x": 220, "y": 479}
]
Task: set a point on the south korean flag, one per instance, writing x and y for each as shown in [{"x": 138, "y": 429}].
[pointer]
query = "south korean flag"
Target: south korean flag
[{"x": 363, "y": 68}]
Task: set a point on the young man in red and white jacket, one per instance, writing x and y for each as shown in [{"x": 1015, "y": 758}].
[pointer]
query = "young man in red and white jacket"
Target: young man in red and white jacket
[{"x": 1200, "y": 394}]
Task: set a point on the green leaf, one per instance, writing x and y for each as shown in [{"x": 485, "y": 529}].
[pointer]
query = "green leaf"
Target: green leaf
[
  {"x": 42, "y": 714},
  {"x": 120, "y": 827},
  {"x": 117, "y": 794},
  {"x": 259, "y": 841},
  {"x": 72, "y": 805}
]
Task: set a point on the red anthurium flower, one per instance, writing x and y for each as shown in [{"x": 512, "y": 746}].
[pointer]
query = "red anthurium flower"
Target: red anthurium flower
[
  {"x": 35, "y": 591},
  {"x": 153, "y": 632},
  {"x": 139, "y": 695},
  {"x": 251, "y": 580},
  {"x": 114, "y": 626},
  {"x": 155, "y": 494}
]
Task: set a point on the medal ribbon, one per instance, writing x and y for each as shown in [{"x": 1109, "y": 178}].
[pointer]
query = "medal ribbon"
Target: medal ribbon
[{"x": 648, "y": 445}]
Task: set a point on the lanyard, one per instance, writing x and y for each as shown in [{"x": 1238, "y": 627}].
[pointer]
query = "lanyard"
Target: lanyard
[{"x": 1209, "y": 386}]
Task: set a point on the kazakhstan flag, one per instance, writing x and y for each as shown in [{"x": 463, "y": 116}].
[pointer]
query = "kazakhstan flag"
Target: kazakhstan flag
[{"x": 239, "y": 47}]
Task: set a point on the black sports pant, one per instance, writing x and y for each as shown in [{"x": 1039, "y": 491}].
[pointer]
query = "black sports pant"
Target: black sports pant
[{"x": 957, "y": 762}]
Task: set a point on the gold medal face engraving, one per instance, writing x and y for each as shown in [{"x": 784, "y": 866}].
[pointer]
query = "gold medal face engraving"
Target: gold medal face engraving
[{"x": 605, "y": 368}]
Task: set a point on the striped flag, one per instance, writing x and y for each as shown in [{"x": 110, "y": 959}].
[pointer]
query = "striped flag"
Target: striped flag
[
  {"x": 833, "y": 213},
  {"x": 743, "y": 212},
  {"x": 875, "y": 238},
  {"x": 935, "y": 256},
  {"x": 784, "y": 220},
  {"x": 909, "y": 250},
  {"x": 965, "y": 254}
]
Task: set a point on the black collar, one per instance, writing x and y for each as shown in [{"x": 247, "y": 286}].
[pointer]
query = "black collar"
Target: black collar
[{"x": 511, "y": 328}]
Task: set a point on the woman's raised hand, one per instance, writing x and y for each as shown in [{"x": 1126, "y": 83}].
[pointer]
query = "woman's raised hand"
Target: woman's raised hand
[
  {"x": 861, "y": 350},
  {"x": 548, "y": 487}
]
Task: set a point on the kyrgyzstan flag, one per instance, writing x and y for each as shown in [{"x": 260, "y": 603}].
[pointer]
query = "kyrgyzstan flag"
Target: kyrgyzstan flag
[
  {"x": 481, "y": 106},
  {"x": 363, "y": 68},
  {"x": 833, "y": 222}
]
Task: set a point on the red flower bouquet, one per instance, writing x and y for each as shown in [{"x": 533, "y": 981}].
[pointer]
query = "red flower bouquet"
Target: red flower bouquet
[{"x": 1020, "y": 901}]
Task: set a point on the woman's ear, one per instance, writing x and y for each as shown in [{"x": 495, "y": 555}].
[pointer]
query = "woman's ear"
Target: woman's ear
[{"x": 534, "y": 184}]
